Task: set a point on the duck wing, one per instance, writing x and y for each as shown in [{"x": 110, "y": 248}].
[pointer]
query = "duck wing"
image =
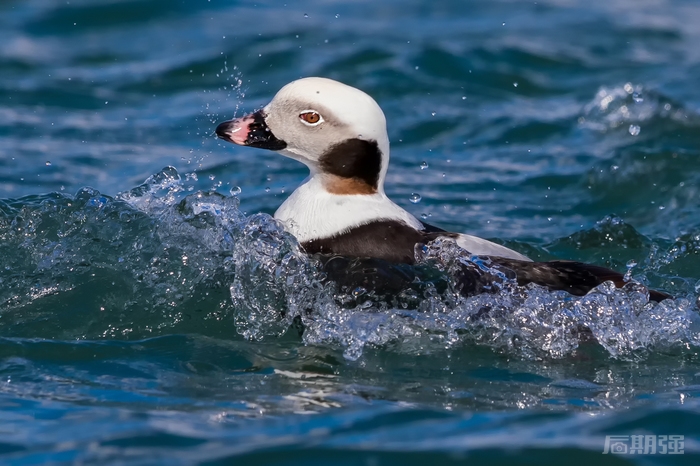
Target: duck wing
[{"x": 577, "y": 278}]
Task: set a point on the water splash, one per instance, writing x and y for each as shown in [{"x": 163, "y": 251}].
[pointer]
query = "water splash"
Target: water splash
[
  {"x": 631, "y": 106},
  {"x": 156, "y": 260}
]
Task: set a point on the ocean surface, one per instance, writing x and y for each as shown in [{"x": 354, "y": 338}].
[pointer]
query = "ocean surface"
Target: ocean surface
[{"x": 153, "y": 312}]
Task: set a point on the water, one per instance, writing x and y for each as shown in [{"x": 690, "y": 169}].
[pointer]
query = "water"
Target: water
[{"x": 161, "y": 321}]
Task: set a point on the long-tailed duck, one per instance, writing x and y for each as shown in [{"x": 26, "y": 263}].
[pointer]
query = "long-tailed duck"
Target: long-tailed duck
[{"x": 339, "y": 132}]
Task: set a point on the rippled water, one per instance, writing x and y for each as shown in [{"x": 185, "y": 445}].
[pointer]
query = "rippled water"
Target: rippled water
[{"x": 173, "y": 321}]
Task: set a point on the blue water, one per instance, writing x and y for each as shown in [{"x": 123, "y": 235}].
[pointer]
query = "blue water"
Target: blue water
[{"x": 151, "y": 310}]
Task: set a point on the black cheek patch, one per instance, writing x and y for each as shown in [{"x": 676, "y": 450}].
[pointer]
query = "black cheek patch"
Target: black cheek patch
[{"x": 354, "y": 158}]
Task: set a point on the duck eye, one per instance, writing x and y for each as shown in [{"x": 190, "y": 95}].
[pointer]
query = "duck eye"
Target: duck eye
[{"x": 310, "y": 117}]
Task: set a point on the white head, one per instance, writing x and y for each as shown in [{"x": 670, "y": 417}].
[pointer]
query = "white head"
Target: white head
[{"x": 338, "y": 131}]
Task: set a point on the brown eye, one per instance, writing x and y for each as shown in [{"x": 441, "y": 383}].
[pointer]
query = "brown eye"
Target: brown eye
[{"x": 310, "y": 118}]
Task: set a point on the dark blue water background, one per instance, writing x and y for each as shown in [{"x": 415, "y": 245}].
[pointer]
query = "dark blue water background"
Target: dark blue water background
[{"x": 154, "y": 323}]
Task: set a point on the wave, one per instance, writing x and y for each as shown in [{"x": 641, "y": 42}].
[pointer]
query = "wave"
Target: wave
[{"x": 159, "y": 260}]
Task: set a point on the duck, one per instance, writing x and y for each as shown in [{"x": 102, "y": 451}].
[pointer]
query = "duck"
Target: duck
[{"x": 341, "y": 209}]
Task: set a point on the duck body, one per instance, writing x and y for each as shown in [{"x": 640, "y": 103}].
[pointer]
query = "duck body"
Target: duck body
[
  {"x": 339, "y": 133},
  {"x": 365, "y": 225}
]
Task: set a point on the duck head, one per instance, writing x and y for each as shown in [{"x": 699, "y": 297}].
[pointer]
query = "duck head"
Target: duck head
[{"x": 336, "y": 130}]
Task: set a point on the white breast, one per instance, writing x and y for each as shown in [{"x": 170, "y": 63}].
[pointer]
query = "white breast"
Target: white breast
[{"x": 311, "y": 212}]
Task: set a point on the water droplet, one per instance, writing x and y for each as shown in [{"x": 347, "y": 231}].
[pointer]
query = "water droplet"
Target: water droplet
[
  {"x": 415, "y": 198},
  {"x": 637, "y": 97},
  {"x": 433, "y": 113},
  {"x": 424, "y": 165},
  {"x": 337, "y": 16},
  {"x": 48, "y": 163},
  {"x": 515, "y": 84},
  {"x": 305, "y": 15},
  {"x": 267, "y": 189},
  {"x": 235, "y": 191},
  {"x": 634, "y": 130},
  {"x": 212, "y": 177},
  {"x": 631, "y": 263}
]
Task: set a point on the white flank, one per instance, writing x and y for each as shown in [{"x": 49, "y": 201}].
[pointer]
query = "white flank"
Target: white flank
[{"x": 482, "y": 247}]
